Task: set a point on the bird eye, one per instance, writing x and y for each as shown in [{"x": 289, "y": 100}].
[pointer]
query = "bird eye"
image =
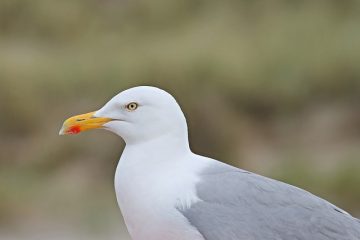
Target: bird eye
[{"x": 131, "y": 106}]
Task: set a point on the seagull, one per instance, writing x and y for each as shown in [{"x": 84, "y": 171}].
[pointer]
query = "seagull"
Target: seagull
[{"x": 167, "y": 192}]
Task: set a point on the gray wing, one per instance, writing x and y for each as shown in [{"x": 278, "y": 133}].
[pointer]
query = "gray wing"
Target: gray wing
[{"x": 239, "y": 205}]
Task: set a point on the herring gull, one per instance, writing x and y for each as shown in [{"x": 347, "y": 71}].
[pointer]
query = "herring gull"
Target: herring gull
[{"x": 167, "y": 192}]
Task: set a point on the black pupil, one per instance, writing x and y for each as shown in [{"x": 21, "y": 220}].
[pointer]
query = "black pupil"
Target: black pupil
[{"x": 132, "y": 106}]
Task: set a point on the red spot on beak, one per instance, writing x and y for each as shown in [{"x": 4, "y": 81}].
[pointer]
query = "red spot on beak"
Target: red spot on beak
[{"x": 74, "y": 130}]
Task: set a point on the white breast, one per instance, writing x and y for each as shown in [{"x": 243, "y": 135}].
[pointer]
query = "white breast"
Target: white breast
[{"x": 150, "y": 191}]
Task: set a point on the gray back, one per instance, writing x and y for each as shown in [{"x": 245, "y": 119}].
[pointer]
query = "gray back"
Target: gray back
[{"x": 239, "y": 205}]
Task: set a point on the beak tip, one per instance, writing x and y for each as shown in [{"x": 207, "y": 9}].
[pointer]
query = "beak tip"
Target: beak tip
[
  {"x": 66, "y": 130},
  {"x": 62, "y": 131}
]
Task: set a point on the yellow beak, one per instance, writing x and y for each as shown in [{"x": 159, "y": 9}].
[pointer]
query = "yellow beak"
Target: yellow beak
[{"x": 82, "y": 123}]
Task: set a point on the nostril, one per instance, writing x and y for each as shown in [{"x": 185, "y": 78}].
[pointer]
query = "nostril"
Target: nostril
[{"x": 80, "y": 119}]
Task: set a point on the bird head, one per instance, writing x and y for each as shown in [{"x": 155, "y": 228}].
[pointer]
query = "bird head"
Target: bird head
[{"x": 136, "y": 114}]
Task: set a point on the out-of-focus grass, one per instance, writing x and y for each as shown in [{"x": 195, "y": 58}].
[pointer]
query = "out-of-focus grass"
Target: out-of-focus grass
[
  {"x": 272, "y": 86},
  {"x": 337, "y": 186}
]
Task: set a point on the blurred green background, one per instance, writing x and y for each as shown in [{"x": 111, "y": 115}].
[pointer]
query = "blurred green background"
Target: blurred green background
[{"x": 269, "y": 86}]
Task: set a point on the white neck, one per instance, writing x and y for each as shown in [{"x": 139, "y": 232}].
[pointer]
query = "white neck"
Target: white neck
[
  {"x": 146, "y": 171},
  {"x": 164, "y": 145}
]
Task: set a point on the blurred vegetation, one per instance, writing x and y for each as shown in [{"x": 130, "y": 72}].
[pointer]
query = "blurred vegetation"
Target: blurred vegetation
[{"x": 270, "y": 86}]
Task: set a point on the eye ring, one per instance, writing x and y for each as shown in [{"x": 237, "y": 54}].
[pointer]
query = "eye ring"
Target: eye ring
[{"x": 131, "y": 106}]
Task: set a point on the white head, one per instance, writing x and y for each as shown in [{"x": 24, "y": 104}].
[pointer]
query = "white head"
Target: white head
[{"x": 137, "y": 114}]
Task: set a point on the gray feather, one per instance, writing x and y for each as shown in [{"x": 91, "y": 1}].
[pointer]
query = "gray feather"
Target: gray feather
[{"x": 239, "y": 205}]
